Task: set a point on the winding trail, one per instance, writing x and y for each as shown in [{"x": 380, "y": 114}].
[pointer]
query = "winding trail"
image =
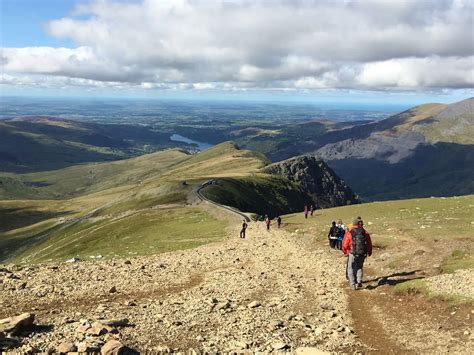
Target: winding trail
[{"x": 228, "y": 208}]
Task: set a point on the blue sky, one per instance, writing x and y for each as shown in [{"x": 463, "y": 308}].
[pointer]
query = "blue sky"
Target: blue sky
[
  {"x": 372, "y": 51},
  {"x": 23, "y": 22}
]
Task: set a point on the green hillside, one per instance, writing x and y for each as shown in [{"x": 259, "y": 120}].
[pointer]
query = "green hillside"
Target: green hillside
[
  {"x": 415, "y": 241},
  {"x": 46, "y": 143},
  {"x": 128, "y": 207}
]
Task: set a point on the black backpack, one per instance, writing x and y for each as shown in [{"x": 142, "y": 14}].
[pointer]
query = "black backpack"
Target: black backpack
[{"x": 359, "y": 241}]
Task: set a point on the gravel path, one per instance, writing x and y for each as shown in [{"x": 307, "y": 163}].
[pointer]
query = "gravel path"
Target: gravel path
[{"x": 270, "y": 291}]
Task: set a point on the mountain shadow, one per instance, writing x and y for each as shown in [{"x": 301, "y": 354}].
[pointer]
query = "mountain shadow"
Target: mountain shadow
[{"x": 442, "y": 169}]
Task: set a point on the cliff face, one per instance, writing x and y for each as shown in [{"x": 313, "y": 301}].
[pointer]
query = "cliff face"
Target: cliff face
[{"x": 315, "y": 179}]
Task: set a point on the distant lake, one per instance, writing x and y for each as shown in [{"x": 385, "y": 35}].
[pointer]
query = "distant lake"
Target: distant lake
[{"x": 201, "y": 146}]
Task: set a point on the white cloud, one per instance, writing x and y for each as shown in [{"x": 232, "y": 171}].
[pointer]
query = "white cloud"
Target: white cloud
[{"x": 304, "y": 44}]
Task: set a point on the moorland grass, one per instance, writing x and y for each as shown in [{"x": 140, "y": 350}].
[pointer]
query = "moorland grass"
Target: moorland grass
[
  {"x": 389, "y": 222},
  {"x": 459, "y": 259},
  {"x": 151, "y": 232}
]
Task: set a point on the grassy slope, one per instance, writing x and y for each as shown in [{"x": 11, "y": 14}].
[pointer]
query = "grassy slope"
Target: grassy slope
[
  {"x": 43, "y": 143},
  {"x": 87, "y": 178},
  {"x": 141, "y": 210},
  {"x": 390, "y": 221},
  {"x": 261, "y": 194},
  {"x": 146, "y": 232},
  {"x": 421, "y": 237}
]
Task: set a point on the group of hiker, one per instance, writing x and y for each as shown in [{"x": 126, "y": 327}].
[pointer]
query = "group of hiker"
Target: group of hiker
[
  {"x": 353, "y": 240},
  {"x": 336, "y": 235},
  {"x": 356, "y": 244},
  {"x": 308, "y": 210},
  {"x": 267, "y": 221}
]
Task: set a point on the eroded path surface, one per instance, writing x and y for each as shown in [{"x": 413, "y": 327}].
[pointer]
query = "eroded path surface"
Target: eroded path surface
[
  {"x": 270, "y": 291},
  {"x": 273, "y": 291}
]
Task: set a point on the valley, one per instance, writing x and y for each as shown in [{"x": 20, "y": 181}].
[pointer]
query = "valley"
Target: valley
[{"x": 145, "y": 235}]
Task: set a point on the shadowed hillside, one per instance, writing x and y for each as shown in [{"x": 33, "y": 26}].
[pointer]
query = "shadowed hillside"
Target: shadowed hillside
[
  {"x": 46, "y": 143},
  {"x": 425, "y": 151}
]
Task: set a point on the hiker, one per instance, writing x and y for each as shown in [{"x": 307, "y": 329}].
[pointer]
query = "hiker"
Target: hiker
[
  {"x": 311, "y": 210},
  {"x": 305, "y": 211},
  {"x": 349, "y": 226},
  {"x": 357, "y": 245},
  {"x": 340, "y": 234},
  {"x": 279, "y": 221},
  {"x": 244, "y": 228},
  {"x": 267, "y": 222},
  {"x": 332, "y": 235}
]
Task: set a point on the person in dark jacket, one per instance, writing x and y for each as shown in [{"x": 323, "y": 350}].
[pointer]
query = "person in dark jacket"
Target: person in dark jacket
[
  {"x": 279, "y": 221},
  {"x": 332, "y": 235},
  {"x": 244, "y": 228},
  {"x": 357, "y": 245}
]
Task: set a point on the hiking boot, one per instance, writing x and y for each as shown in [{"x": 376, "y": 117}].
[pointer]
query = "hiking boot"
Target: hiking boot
[
  {"x": 359, "y": 285},
  {"x": 354, "y": 287}
]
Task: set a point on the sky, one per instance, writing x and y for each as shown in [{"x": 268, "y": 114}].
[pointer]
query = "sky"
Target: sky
[{"x": 399, "y": 51}]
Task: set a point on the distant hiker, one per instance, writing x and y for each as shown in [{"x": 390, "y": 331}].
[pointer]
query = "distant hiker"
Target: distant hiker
[
  {"x": 267, "y": 222},
  {"x": 305, "y": 211},
  {"x": 244, "y": 228},
  {"x": 357, "y": 245},
  {"x": 340, "y": 234},
  {"x": 311, "y": 210},
  {"x": 279, "y": 221},
  {"x": 332, "y": 235}
]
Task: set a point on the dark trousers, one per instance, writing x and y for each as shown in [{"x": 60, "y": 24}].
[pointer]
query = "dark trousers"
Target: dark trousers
[
  {"x": 332, "y": 243},
  {"x": 268, "y": 227},
  {"x": 242, "y": 233}
]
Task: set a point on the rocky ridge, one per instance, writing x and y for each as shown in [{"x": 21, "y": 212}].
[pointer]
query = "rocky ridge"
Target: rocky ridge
[{"x": 315, "y": 179}]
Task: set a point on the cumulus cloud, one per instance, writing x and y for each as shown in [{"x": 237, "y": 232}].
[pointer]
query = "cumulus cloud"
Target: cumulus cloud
[{"x": 293, "y": 44}]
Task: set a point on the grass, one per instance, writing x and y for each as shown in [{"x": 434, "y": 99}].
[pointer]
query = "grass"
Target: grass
[
  {"x": 459, "y": 259},
  {"x": 414, "y": 287},
  {"x": 129, "y": 206},
  {"x": 150, "y": 232},
  {"x": 390, "y": 222},
  {"x": 261, "y": 194},
  {"x": 88, "y": 178}
]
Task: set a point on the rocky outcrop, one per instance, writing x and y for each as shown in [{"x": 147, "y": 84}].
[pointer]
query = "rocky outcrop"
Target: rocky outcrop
[{"x": 315, "y": 179}]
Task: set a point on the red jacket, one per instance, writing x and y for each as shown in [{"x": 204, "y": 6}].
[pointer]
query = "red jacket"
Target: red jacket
[{"x": 347, "y": 242}]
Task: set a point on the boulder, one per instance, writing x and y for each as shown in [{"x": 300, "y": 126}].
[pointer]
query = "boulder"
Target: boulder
[
  {"x": 85, "y": 347},
  {"x": 15, "y": 325},
  {"x": 66, "y": 347},
  {"x": 254, "y": 304},
  {"x": 119, "y": 322},
  {"x": 114, "y": 347}
]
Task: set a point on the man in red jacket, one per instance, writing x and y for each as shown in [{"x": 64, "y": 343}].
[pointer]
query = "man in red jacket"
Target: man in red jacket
[{"x": 357, "y": 245}]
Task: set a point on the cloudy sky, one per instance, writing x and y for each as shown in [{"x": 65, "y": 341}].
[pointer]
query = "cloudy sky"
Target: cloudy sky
[{"x": 372, "y": 48}]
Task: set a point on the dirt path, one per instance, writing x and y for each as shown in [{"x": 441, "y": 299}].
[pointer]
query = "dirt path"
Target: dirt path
[
  {"x": 272, "y": 291},
  {"x": 265, "y": 292}
]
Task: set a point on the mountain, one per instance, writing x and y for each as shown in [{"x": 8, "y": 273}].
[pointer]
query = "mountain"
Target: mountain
[
  {"x": 283, "y": 187},
  {"x": 42, "y": 143},
  {"x": 315, "y": 179},
  {"x": 425, "y": 151}
]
